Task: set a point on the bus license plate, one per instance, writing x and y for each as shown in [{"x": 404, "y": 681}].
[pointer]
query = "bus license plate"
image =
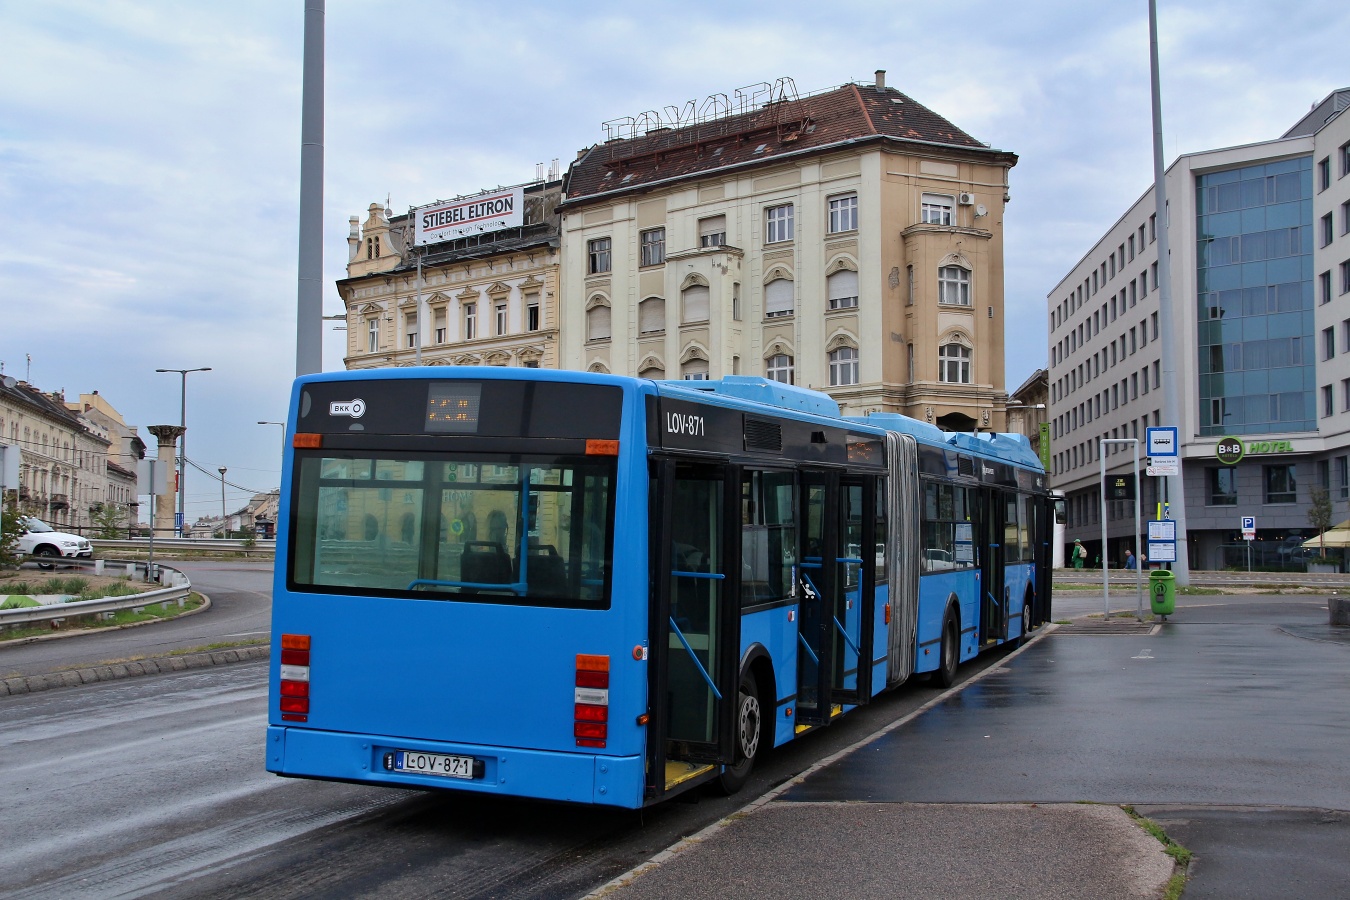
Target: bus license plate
[{"x": 433, "y": 764}]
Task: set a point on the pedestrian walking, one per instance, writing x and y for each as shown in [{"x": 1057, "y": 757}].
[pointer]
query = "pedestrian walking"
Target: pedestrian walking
[
  {"x": 1129, "y": 559},
  {"x": 1079, "y": 555}
]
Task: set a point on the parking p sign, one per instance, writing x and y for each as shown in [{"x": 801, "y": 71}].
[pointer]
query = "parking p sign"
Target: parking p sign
[{"x": 1249, "y": 528}]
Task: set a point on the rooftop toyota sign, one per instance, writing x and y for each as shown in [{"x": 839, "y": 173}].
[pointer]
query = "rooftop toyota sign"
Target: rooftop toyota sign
[{"x": 479, "y": 214}]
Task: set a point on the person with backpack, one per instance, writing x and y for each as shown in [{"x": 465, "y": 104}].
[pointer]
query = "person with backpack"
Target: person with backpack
[{"x": 1079, "y": 556}]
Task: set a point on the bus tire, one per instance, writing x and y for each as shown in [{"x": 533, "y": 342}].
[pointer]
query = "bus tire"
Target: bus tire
[
  {"x": 949, "y": 656},
  {"x": 748, "y": 725},
  {"x": 1026, "y": 622}
]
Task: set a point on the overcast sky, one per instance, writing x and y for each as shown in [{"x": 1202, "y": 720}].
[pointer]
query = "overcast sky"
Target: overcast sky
[{"x": 150, "y": 158}]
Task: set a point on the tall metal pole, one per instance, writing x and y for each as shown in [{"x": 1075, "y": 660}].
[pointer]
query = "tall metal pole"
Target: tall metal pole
[
  {"x": 224, "y": 531},
  {"x": 1138, "y": 544},
  {"x": 309, "y": 298},
  {"x": 182, "y": 447},
  {"x": 418, "y": 338},
  {"x": 1171, "y": 406},
  {"x": 1106, "y": 575}
]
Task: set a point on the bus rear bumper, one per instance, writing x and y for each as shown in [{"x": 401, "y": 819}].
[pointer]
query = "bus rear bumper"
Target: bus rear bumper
[{"x": 546, "y": 775}]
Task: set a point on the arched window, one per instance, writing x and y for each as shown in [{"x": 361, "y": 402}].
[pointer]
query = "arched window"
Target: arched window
[
  {"x": 652, "y": 315},
  {"x": 954, "y": 364},
  {"x": 842, "y": 288},
  {"x": 695, "y": 303},
  {"x": 654, "y": 372},
  {"x": 695, "y": 370},
  {"x": 779, "y": 367},
  {"x": 843, "y": 366},
  {"x": 778, "y": 298},
  {"x": 954, "y": 285},
  {"x": 597, "y": 323}
]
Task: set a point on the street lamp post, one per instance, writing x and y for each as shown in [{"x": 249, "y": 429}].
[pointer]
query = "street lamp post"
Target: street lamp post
[
  {"x": 182, "y": 446},
  {"x": 224, "y": 526}
]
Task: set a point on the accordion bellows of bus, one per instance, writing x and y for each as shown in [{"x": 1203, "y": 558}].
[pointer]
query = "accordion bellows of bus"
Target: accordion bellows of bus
[{"x": 610, "y": 590}]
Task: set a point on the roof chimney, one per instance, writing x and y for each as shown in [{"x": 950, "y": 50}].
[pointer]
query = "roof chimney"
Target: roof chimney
[{"x": 881, "y": 79}]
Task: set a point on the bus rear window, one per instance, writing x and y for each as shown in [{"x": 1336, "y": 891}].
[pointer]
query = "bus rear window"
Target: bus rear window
[{"x": 530, "y": 530}]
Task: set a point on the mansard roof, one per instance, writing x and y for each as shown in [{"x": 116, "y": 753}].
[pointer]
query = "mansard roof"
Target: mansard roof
[{"x": 771, "y": 134}]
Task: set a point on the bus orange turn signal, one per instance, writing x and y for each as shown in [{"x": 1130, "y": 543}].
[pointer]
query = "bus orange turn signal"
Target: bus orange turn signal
[
  {"x": 307, "y": 441},
  {"x": 602, "y": 448}
]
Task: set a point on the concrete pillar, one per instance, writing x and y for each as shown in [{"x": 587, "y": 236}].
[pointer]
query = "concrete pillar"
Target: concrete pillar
[
  {"x": 166, "y": 504},
  {"x": 1340, "y": 611}
]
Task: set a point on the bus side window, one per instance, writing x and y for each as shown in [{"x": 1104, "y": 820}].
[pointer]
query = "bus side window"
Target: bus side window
[
  {"x": 881, "y": 532},
  {"x": 768, "y": 536}
]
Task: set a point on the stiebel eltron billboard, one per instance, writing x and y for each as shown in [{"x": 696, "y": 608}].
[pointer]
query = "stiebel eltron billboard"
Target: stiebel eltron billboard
[{"x": 478, "y": 214}]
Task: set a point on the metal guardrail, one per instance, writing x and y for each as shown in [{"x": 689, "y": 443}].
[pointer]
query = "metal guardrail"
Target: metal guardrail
[
  {"x": 177, "y": 593},
  {"x": 206, "y": 545}
]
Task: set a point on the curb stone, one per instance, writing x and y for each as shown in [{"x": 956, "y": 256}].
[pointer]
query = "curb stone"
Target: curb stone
[{"x": 11, "y": 687}]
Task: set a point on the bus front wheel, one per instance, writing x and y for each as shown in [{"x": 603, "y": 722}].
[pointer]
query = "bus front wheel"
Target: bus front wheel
[
  {"x": 749, "y": 724},
  {"x": 950, "y": 653}
]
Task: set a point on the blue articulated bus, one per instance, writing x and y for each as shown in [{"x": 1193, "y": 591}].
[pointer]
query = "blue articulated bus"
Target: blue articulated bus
[{"x": 610, "y": 590}]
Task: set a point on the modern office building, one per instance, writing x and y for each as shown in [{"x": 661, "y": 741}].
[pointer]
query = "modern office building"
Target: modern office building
[
  {"x": 1260, "y": 288},
  {"x": 849, "y": 240}
]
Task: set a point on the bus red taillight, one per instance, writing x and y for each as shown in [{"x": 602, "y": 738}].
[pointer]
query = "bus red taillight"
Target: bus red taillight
[
  {"x": 591, "y": 701},
  {"x": 294, "y": 688}
]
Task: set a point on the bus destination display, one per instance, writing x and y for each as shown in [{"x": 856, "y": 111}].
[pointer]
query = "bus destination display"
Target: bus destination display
[{"x": 452, "y": 407}]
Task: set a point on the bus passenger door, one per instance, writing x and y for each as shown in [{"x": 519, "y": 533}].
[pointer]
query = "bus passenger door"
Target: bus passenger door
[
  {"x": 819, "y": 595},
  {"x": 695, "y": 622},
  {"x": 854, "y": 614},
  {"x": 993, "y": 611}
]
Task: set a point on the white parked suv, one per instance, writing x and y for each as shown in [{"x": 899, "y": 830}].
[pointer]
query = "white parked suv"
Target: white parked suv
[{"x": 41, "y": 540}]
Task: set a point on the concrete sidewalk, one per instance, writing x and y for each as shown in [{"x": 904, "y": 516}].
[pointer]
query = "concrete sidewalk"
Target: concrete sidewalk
[{"x": 1011, "y": 784}]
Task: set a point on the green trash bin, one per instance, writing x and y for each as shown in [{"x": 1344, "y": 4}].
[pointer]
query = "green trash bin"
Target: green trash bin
[{"x": 1162, "y": 592}]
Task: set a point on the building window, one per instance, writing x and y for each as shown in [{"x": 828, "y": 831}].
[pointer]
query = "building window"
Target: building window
[
  {"x": 438, "y": 324},
  {"x": 779, "y": 368},
  {"x": 1328, "y": 402},
  {"x": 695, "y": 370},
  {"x": 843, "y": 366},
  {"x": 1345, "y": 394},
  {"x": 1222, "y": 486},
  {"x": 695, "y": 303},
  {"x": 954, "y": 364},
  {"x": 410, "y": 327},
  {"x": 712, "y": 231},
  {"x": 1343, "y": 477},
  {"x": 598, "y": 254},
  {"x": 735, "y": 301},
  {"x": 1281, "y": 484},
  {"x": 532, "y": 316},
  {"x": 1328, "y": 230},
  {"x": 470, "y": 321},
  {"x": 1345, "y": 217},
  {"x": 653, "y": 244},
  {"x": 842, "y": 288},
  {"x": 1324, "y": 173},
  {"x": 1345, "y": 159},
  {"x": 1345, "y": 277},
  {"x": 531, "y": 364},
  {"x": 373, "y": 336},
  {"x": 954, "y": 285},
  {"x": 844, "y": 213},
  {"x": 652, "y": 315},
  {"x": 778, "y": 298},
  {"x": 910, "y": 362},
  {"x": 937, "y": 209},
  {"x": 597, "y": 323},
  {"x": 778, "y": 224},
  {"x": 909, "y": 293},
  {"x": 654, "y": 372},
  {"x": 1324, "y": 286}
]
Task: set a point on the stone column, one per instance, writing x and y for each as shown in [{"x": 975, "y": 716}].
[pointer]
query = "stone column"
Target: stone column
[{"x": 166, "y": 504}]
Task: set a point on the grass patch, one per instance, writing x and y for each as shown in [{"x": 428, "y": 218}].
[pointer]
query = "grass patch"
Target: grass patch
[
  {"x": 1192, "y": 591},
  {"x": 1177, "y": 883},
  {"x": 1063, "y": 622},
  {"x": 221, "y": 645},
  {"x": 151, "y": 612},
  {"x": 18, "y": 602}
]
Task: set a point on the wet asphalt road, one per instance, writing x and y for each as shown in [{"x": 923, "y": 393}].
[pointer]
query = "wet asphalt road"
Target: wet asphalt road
[{"x": 241, "y": 610}]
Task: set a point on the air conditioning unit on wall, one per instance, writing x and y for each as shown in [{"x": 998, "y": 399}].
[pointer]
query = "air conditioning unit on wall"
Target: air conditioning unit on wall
[{"x": 966, "y": 199}]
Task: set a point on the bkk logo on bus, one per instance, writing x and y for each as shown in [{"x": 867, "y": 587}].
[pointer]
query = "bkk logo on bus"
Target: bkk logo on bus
[
  {"x": 354, "y": 408},
  {"x": 681, "y": 423}
]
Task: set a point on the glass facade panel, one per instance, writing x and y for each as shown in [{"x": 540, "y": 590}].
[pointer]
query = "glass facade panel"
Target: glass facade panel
[{"x": 1254, "y": 243}]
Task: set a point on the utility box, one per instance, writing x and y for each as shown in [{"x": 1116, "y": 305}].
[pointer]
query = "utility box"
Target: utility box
[{"x": 1162, "y": 592}]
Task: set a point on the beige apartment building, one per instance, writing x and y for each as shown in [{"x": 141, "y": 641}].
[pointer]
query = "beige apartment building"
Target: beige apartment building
[
  {"x": 489, "y": 297},
  {"x": 849, "y": 240}
]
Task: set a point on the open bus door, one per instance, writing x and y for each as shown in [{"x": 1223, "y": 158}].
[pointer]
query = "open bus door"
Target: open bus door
[
  {"x": 695, "y": 623},
  {"x": 836, "y": 587},
  {"x": 993, "y": 598}
]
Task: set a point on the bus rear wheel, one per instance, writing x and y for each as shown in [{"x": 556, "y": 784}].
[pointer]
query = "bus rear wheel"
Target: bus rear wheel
[
  {"x": 950, "y": 654},
  {"x": 748, "y": 724},
  {"x": 1026, "y": 623}
]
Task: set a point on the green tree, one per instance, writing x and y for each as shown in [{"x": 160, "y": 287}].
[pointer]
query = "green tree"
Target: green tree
[
  {"x": 108, "y": 520},
  {"x": 9, "y": 537},
  {"x": 1319, "y": 512}
]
